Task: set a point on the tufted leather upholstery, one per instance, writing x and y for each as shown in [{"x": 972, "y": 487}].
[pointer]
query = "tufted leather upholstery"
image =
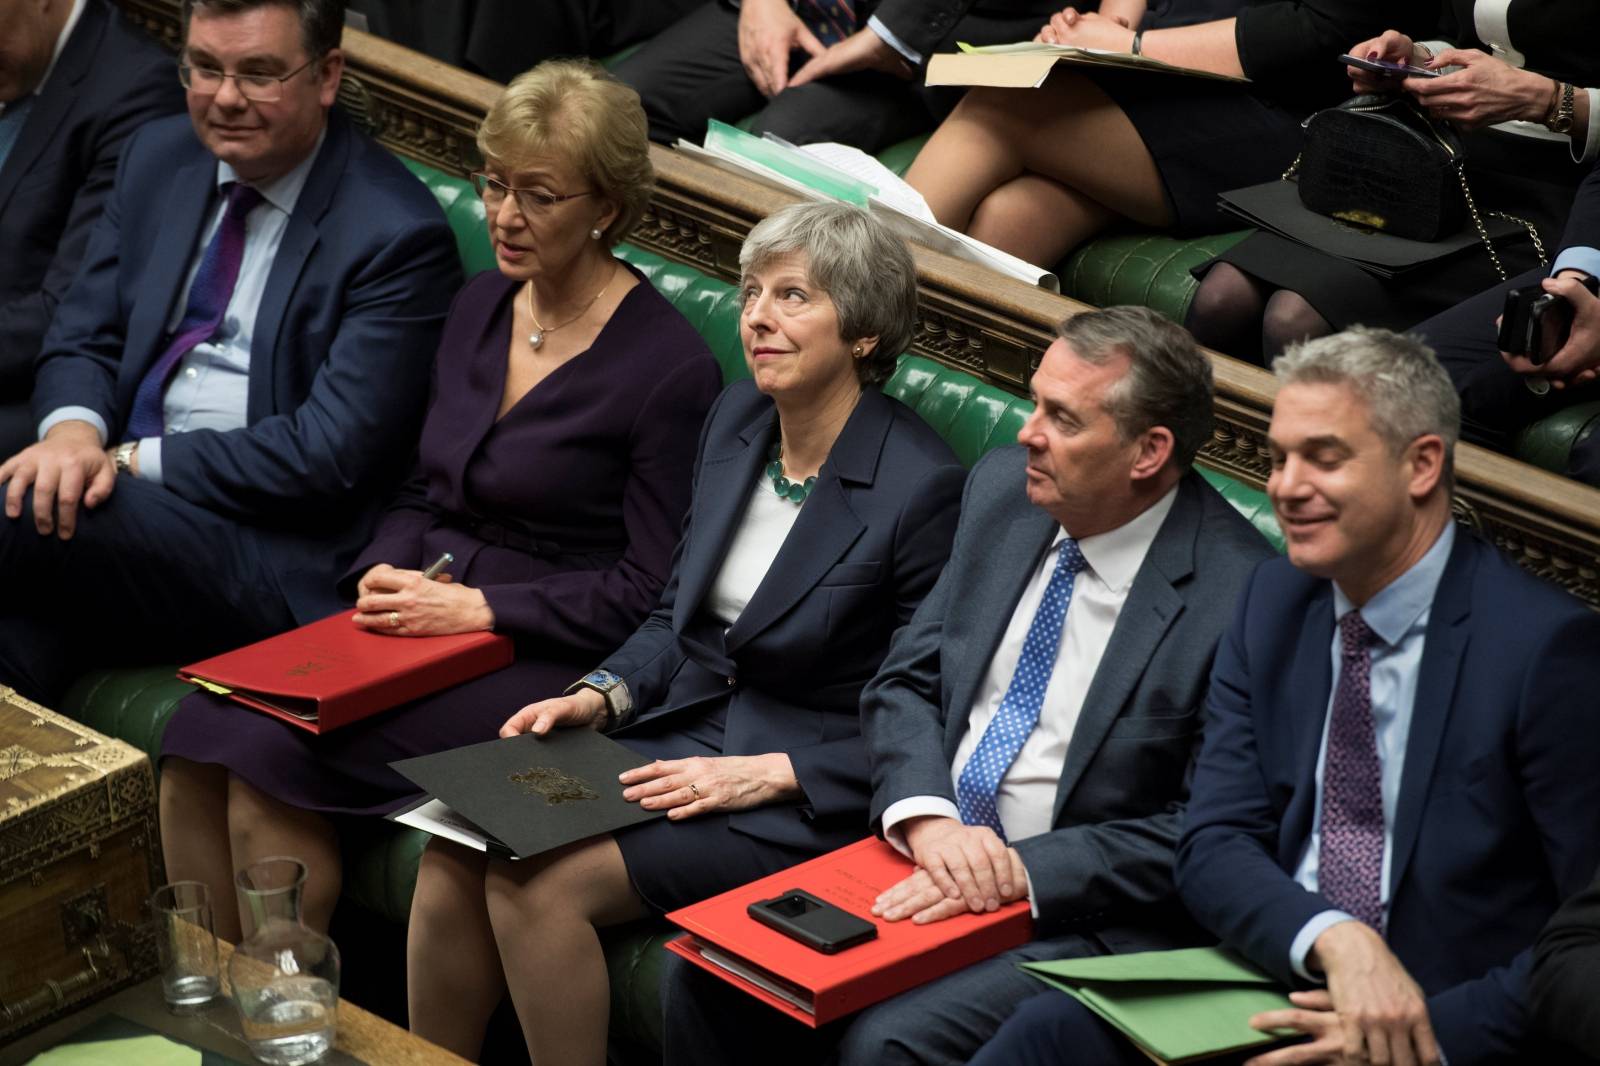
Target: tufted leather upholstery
[{"x": 380, "y": 858}]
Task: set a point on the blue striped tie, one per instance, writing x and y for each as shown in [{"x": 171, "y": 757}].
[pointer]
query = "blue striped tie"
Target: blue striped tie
[{"x": 997, "y": 749}]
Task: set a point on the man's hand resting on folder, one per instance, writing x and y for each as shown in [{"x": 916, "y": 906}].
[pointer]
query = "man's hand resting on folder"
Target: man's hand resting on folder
[
  {"x": 403, "y": 603},
  {"x": 1372, "y": 1010},
  {"x": 68, "y": 468},
  {"x": 961, "y": 868}
]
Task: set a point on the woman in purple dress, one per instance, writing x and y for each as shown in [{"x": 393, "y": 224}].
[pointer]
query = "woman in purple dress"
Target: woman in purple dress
[{"x": 554, "y": 465}]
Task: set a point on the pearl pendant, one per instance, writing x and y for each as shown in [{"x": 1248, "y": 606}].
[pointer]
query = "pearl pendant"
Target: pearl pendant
[{"x": 536, "y": 339}]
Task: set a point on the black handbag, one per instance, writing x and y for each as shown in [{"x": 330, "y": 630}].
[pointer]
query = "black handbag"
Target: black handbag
[{"x": 1379, "y": 162}]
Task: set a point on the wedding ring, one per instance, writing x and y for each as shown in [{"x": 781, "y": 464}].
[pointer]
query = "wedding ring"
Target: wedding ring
[
  {"x": 695, "y": 789},
  {"x": 394, "y": 619}
]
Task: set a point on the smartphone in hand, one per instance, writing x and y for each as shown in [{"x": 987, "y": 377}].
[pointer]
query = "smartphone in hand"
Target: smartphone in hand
[{"x": 1388, "y": 69}]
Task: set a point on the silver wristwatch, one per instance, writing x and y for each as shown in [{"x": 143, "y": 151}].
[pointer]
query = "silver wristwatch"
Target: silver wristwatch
[
  {"x": 610, "y": 686},
  {"x": 122, "y": 457}
]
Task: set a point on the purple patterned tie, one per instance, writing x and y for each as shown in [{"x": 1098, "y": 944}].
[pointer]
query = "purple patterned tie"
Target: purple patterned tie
[
  {"x": 1350, "y": 862},
  {"x": 831, "y": 20},
  {"x": 208, "y": 302}
]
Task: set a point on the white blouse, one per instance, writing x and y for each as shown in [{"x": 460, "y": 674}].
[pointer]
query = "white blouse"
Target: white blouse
[{"x": 766, "y": 523}]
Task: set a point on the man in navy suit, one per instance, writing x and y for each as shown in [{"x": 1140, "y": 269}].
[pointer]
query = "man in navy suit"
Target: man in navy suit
[
  {"x": 1397, "y": 786},
  {"x": 75, "y": 81},
  {"x": 1080, "y": 815},
  {"x": 233, "y": 380}
]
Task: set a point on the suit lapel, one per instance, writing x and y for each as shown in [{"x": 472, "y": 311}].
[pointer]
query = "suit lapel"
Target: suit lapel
[
  {"x": 1028, "y": 536},
  {"x": 1310, "y": 686},
  {"x": 1444, "y": 649},
  {"x": 721, "y": 493},
  {"x": 49, "y": 109},
  {"x": 827, "y": 525},
  {"x": 1153, "y": 604},
  {"x": 300, "y": 237}
]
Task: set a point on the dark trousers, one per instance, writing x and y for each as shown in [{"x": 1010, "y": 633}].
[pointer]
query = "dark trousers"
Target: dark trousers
[
  {"x": 147, "y": 577},
  {"x": 1496, "y": 401},
  {"x": 690, "y": 73},
  {"x": 16, "y": 428},
  {"x": 502, "y": 38},
  {"x": 941, "y": 1023}
]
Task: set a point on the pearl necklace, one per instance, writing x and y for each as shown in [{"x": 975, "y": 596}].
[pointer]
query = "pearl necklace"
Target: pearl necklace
[{"x": 536, "y": 338}]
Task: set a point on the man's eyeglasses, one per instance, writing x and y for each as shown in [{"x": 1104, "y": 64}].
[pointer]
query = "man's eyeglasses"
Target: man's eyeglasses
[
  {"x": 258, "y": 88},
  {"x": 529, "y": 201}
]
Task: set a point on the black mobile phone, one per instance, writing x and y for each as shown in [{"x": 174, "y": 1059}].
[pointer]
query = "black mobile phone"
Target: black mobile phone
[
  {"x": 1536, "y": 324},
  {"x": 816, "y": 923},
  {"x": 1383, "y": 66}
]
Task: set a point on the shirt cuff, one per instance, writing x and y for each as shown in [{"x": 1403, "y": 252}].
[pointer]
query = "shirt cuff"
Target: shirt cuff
[
  {"x": 1578, "y": 258},
  {"x": 150, "y": 460},
  {"x": 912, "y": 56},
  {"x": 1307, "y": 937},
  {"x": 914, "y": 807},
  {"x": 74, "y": 414}
]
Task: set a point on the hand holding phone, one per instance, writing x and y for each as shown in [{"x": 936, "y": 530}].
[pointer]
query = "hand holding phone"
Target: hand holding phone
[
  {"x": 1388, "y": 69},
  {"x": 1536, "y": 324}
]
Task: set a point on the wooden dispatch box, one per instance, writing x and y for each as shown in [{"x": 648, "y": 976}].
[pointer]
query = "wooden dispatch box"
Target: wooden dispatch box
[{"x": 79, "y": 857}]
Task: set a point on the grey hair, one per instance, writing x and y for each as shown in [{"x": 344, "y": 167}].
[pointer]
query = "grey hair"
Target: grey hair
[
  {"x": 1168, "y": 381},
  {"x": 1407, "y": 392},
  {"x": 866, "y": 270},
  {"x": 321, "y": 21}
]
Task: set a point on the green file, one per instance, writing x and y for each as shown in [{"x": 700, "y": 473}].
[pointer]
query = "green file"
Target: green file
[
  {"x": 792, "y": 164},
  {"x": 1177, "y": 1006}
]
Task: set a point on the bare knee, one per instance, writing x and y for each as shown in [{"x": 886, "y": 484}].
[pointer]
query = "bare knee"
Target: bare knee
[
  {"x": 586, "y": 882},
  {"x": 1289, "y": 319},
  {"x": 192, "y": 787}
]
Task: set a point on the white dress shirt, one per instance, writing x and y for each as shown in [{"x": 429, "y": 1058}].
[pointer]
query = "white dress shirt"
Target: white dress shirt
[
  {"x": 762, "y": 531},
  {"x": 1027, "y": 795}
]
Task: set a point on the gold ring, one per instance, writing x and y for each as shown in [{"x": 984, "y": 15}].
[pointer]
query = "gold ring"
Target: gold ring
[
  {"x": 394, "y": 619},
  {"x": 696, "y": 790}
]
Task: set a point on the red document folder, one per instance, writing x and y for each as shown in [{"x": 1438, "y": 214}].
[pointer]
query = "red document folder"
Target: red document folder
[
  {"x": 333, "y": 672},
  {"x": 816, "y": 988}
]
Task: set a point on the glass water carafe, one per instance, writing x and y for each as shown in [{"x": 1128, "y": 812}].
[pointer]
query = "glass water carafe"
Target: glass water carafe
[{"x": 284, "y": 975}]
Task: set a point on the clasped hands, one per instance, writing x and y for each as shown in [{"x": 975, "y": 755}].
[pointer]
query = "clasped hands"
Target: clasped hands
[
  {"x": 1087, "y": 29},
  {"x": 770, "y": 31},
  {"x": 1371, "y": 1012},
  {"x": 1483, "y": 92},
  {"x": 960, "y": 868},
  {"x": 405, "y": 604},
  {"x": 682, "y": 788}
]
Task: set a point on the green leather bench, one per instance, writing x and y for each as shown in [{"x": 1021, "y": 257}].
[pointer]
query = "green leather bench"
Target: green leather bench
[{"x": 380, "y": 858}]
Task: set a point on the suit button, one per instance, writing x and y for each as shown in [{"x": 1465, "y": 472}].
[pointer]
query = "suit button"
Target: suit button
[{"x": 731, "y": 682}]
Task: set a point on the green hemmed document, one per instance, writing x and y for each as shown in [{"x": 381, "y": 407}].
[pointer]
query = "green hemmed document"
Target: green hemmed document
[{"x": 1177, "y": 1006}]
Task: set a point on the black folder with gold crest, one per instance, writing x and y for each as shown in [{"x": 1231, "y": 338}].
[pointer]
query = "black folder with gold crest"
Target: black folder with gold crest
[{"x": 523, "y": 795}]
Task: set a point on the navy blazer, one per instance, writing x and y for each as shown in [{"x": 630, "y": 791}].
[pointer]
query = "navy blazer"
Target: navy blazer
[
  {"x": 1122, "y": 785},
  {"x": 344, "y": 336},
  {"x": 109, "y": 81},
  {"x": 868, "y": 545},
  {"x": 1498, "y": 818}
]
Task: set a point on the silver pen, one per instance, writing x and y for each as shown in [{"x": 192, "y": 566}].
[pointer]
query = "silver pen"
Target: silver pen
[{"x": 438, "y": 566}]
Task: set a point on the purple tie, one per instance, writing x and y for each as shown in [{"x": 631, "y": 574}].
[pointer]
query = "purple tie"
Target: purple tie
[
  {"x": 1350, "y": 861},
  {"x": 831, "y": 20},
  {"x": 208, "y": 301}
]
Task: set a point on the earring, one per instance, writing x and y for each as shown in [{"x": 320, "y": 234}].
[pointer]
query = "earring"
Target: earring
[
  {"x": 857, "y": 351},
  {"x": 595, "y": 233}
]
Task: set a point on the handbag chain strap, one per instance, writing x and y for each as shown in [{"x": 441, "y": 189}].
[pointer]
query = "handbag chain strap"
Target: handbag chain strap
[{"x": 1483, "y": 231}]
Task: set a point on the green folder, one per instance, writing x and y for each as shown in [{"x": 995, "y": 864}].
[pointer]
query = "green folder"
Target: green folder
[
  {"x": 1177, "y": 1006},
  {"x": 792, "y": 164}
]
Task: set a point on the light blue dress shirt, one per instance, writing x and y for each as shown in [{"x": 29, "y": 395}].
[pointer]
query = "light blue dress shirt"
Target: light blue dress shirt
[
  {"x": 1398, "y": 614},
  {"x": 1579, "y": 258},
  {"x": 210, "y": 387}
]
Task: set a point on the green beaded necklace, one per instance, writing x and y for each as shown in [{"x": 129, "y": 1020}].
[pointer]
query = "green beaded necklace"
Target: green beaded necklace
[{"x": 794, "y": 491}]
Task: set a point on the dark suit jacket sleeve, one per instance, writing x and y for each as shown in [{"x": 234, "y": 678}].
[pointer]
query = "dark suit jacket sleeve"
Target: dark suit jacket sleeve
[
  {"x": 1583, "y": 224},
  {"x": 398, "y": 538},
  {"x": 596, "y": 609},
  {"x": 1566, "y": 973},
  {"x": 922, "y": 24},
  {"x": 1290, "y": 47},
  {"x": 148, "y": 91},
  {"x": 324, "y": 451},
  {"x": 1227, "y": 871},
  {"x": 1487, "y": 1020},
  {"x": 835, "y": 775}
]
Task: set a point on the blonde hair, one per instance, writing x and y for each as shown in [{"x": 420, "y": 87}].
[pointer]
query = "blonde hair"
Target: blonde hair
[{"x": 573, "y": 110}]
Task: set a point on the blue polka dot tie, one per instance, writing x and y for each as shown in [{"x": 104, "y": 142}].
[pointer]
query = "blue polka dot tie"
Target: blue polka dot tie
[
  {"x": 997, "y": 749},
  {"x": 831, "y": 20}
]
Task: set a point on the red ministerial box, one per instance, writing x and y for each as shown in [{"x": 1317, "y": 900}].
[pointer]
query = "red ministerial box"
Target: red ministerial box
[
  {"x": 816, "y": 988},
  {"x": 333, "y": 672}
]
